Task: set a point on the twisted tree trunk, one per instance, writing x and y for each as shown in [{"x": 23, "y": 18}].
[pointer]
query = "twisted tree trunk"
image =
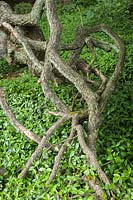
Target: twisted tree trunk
[{"x": 13, "y": 33}]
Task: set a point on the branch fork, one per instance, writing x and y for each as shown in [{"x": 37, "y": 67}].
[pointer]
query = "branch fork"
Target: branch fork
[{"x": 95, "y": 100}]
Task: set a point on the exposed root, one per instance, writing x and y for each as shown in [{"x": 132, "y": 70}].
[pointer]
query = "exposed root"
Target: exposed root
[
  {"x": 92, "y": 161},
  {"x": 14, "y": 121},
  {"x": 42, "y": 145},
  {"x": 60, "y": 154},
  {"x": 95, "y": 100},
  {"x": 90, "y": 155}
]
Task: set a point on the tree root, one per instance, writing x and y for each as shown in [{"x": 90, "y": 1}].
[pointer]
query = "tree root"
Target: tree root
[
  {"x": 14, "y": 121},
  {"x": 95, "y": 100},
  {"x": 42, "y": 145}
]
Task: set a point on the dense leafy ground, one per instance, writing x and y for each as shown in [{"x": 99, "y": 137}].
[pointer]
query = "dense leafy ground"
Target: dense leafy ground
[{"x": 26, "y": 99}]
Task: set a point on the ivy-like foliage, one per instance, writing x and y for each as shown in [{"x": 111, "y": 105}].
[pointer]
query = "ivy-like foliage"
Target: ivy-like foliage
[{"x": 94, "y": 86}]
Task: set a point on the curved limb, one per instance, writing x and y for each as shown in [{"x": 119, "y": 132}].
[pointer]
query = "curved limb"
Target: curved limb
[
  {"x": 119, "y": 48},
  {"x": 93, "y": 161},
  {"x": 6, "y": 14},
  {"x": 91, "y": 47},
  {"x": 22, "y": 40},
  {"x": 42, "y": 144},
  {"x": 14, "y": 121},
  {"x": 91, "y": 98},
  {"x": 59, "y": 156}
]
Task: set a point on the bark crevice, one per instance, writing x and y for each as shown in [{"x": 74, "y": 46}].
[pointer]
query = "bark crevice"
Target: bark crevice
[{"x": 12, "y": 33}]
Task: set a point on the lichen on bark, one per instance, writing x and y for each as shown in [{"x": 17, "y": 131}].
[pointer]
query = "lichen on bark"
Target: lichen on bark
[{"x": 13, "y": 32}]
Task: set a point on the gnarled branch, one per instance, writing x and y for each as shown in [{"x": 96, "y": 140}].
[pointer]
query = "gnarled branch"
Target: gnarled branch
[
  {"x": 6, "y": 14},
  {"x": 14, "y": 121},
  {"x": 42, "y": 144},
  {"x": 95, "y": 100}
]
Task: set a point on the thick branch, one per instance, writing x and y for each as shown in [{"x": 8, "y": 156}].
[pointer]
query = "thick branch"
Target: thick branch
[
  {"x": 35, "y": 62},
  {"x": 88, "y": 95},
  {"x": 110, "y": 86},
  {"x": 14, "y": 121},
  {"x": 78, "y": 41},
  {"x": 55, "y": 25},
  {"x": 52, "y": 59},
  {"x": 32, "y": 18},
  {"x": 55, "y": 31},
  {"x": 66, "y": 70},
  {"x": 37, "y": 45},
  {"x": 97, "y": 188},
  {"x": 52, "y": 96},
  {"x": 3, "y": 43},
  {"x": 91, "y": 47},
  {"x": 41, "y": 45},
  {"x": 61, "y": 152},
  {"x": 72, "y": 76},
  {"x": 90, "y": 156},
  {"x": 118, "y": 68},
  {"x": 42, "y": 144},
  {"x": 22, "y": 40},
  {"x": 103, "y": 45},
  {"x": 102, "y": 77}
]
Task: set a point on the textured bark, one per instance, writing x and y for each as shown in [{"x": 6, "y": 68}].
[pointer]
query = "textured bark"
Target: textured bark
[
  {"x": 42, "y": 145},
  {"x": 3, "y": 44},
  {"x": 14, "y": 121},
  {"x": 32, "y": 18},
  {"x": 61, "y": 151},
  {"x": 13, "y": 29},
  {"x": 14, "y": 2}
]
